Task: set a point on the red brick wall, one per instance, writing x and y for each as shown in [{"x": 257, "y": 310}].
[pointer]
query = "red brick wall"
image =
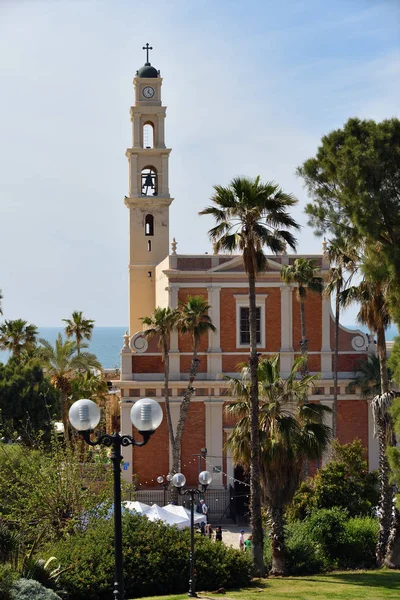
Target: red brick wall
[
  {"x": 152, "y": 460},
  {"x": 147, "y": 364},
  {"x": 313, "y": 362},
  {"x": 273, "y": 319},
  {"x": 194, "y": 438},
  {"x": 186, "y": 361},
  {"x": 313, "y": 316},
  {"x": 348, "y": 362},
  {"x": 230, "y": 362},
  {"x": 352, "y": 421}
]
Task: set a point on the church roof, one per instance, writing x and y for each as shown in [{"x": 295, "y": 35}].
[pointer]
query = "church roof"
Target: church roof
[{"x": 147, "y": 71}]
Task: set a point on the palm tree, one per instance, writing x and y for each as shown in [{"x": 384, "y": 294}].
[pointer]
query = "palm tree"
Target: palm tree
[
  {"x": 291, "y": 432},
  {"x": 17, "y": 336},
  {"x": 304, "y": 273},
  {"x": 79, "y": 328},
  {"x": 192, "y": 320},
  {"x": 251, "y": 215},
  {"x": 368, "y": 377},
  {"x": 1, "y": 306},
  {"x": 374, "y": 312},
  {"x": 344, "y": 259},
  {"x": 63, "y": 364},
  {"x": 160, "y": 324}
]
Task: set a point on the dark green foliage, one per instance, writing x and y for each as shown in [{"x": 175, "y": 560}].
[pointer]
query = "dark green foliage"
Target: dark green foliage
[
  {"x": 355, "y": 188},
  {"x": 156, "y": 561},
  {"x": 394, "y": 360},
  {"x": 44, "y": 490},
  {"x": 344, "y": 482},
  {"x": 394, "y": 452},
  {"x": 8, "y": 542},
  {"x": 7, "y": 578},
  {"x": 29, "y": 589},
  {"x": 28, "y": 401},
  {"x": 328, "y": 540}
]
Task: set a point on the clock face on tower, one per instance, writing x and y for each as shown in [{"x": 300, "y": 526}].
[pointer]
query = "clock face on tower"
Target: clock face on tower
[{"x": 148, "y": 91}]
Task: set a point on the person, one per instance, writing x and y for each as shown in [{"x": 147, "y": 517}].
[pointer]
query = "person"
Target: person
[
  {"x": 209, "y": 531},
  {"x": 218, "y": 534},
  {"x": 203, "y": 528},
  {"x": 204, "y": 509},
  {"x": 247, "y": 543},
  {"x": 241, "y": 539}
]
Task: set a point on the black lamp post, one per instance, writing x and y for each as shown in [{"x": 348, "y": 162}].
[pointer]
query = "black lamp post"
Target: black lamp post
[
  {"x": 164, "y": 484},
  {"x": 146, "y": 416},
  {"x": 179, "y": 480}
]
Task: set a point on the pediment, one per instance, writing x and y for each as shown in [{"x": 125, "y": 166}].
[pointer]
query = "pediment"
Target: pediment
[{"x": 236, "y": 265}]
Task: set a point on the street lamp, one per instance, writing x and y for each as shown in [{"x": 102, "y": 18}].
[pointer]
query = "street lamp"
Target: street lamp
[
  {"x": 179, "y": 480},
  {"x": 164, "y": 484},
  {"x": 146, "y": 415}
]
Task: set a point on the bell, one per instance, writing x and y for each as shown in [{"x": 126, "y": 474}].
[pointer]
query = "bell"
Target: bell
[{"x": 148, "y": 182}]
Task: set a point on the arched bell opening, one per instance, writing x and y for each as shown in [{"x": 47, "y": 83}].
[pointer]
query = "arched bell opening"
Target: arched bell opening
[
  {"x": 149, "y": 181},
  {"x": 148, "y": 135},
  {"x": 149, "y": 225}
]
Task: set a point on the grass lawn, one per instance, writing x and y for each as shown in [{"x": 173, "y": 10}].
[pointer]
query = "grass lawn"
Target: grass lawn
[{"x": 365, "y": 585}]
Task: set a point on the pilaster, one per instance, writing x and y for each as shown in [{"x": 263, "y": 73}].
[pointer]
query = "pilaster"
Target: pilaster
[
  {"x": 326, "y": 351},
  {"x": 286, "y": 351},
  {"x": 214, "y": 440},
  {"x": 214, "y": 358},
  {"x": 174, "y": 358}
]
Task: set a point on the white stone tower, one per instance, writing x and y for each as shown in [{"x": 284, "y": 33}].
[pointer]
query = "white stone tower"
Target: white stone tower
[{"x": 149, "y": 197}]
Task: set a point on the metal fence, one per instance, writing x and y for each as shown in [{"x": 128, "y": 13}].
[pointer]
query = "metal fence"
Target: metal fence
[{"x": 223, "y": 505}]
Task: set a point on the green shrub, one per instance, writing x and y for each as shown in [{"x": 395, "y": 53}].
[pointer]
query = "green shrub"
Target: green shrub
[
  {"x": 344, "y": 482},
  {"x": 156, "y": 561},
  {"x": 29, "y": 589},
  {"x": 361, "y": 536},
  {"x": 328, "y": 540},
  {"x": 7, "y": 578},
  {"x": 8, "y": 542}
]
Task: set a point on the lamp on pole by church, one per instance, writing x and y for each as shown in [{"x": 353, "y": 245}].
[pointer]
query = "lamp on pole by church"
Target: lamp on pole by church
[
  {"x": 164, "y": 484},
  {"x": 179, "y": 481},
  {"x": 146, "y": 415}
]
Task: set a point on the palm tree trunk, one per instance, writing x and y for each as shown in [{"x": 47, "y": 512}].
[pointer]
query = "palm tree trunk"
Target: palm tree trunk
[
  {"x": 381, "y": 349},
  {"x": 255, "y": 481},
  {"x": 277, "y": 542},
  {"x": 335, "y": 365},
  {"x": 176, "y": 451},
  {"x": 304, "y": 342},
  {"x": 384, "y": 437},
  {"x": 166, "y": 395}
]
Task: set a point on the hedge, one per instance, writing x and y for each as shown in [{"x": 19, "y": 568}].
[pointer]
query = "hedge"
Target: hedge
[{"x": 156, "y": 561}]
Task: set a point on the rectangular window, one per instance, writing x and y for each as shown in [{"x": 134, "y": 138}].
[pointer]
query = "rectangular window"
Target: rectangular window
[{"x": 245, "y": 325}]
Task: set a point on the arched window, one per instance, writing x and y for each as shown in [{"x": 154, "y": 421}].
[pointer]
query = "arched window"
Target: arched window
[
  {"x": 149, "y": 181},
  {"x": 149, "y": 246},
  {"x": 148, "y": 135},
  {"x": 149, "y": 225}
]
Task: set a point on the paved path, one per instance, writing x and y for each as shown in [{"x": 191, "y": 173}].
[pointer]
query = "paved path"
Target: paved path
[{"x": 230, "y": 534}]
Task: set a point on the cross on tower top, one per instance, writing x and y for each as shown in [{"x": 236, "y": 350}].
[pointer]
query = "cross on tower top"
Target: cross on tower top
[{"x": 147, "y": 48}]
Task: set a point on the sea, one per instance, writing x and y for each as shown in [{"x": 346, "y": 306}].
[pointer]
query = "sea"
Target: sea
[{"x": 106, "y": 342}]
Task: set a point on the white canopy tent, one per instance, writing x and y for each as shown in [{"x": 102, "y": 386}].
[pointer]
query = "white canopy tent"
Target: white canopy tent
[
  {"x": 184, "y": 513},
  {"x": 139, "y": 507},
  {"x": 157, "y": 513}
]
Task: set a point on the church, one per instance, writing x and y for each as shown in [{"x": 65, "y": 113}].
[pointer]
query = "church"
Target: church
[{"x": 160, "y": 276}]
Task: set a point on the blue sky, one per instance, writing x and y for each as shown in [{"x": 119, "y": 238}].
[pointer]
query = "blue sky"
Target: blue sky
[{"x": 250, "y": 88}]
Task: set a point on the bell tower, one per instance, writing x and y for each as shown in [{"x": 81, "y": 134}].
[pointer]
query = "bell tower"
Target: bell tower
[{"x": 149, "y": 199}]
